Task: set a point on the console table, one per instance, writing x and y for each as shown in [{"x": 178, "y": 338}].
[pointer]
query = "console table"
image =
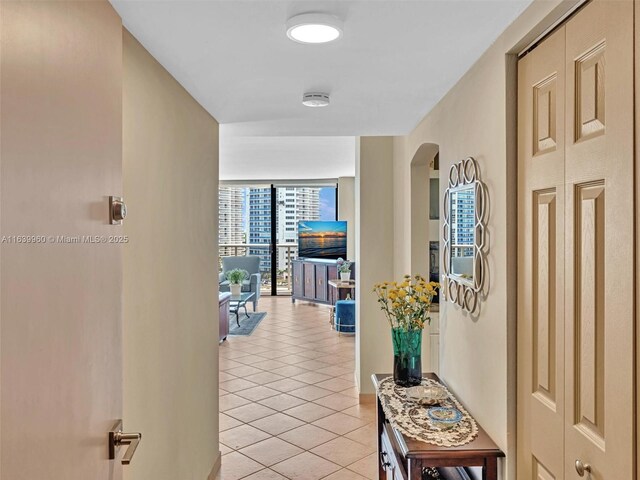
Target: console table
[
  {"x": 403, "y": 458},
  {"x": 311, "y": 280}
]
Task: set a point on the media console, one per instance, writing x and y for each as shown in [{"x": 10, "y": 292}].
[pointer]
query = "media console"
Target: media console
[{"x": 311, "y": 280}]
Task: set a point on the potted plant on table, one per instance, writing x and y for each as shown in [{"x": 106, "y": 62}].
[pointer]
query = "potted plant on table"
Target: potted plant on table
[
  {"x": 236, "y": 277},
  {"x": 344, "y": 269},
  {"x": 406, "y": 305}
]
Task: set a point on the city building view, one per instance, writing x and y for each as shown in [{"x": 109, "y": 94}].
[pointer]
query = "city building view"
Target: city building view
[
  {"x": 245, "y": 224},
  {"x": 232, "y": 218},
  {"x": 462, "y": 225}
]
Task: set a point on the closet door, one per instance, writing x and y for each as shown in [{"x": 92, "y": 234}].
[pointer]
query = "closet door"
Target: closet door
[
  {"x": 599, "y": 242},
  {"x": 541, "y": 143}
]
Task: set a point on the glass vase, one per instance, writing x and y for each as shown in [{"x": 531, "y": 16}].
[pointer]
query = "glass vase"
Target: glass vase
[{"x": 407, "y": 356}]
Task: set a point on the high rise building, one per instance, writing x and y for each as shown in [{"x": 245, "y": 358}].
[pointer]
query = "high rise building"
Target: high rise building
[
  {"x": 259, "y": 224},
  {"x": 462, "y": 211},
  {"x": 293, "y": 204},
  {"x": 231, "y": 224}
]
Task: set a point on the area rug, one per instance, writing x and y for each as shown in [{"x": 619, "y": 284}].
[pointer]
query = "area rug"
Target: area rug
[{"x": 248, "y": 323}]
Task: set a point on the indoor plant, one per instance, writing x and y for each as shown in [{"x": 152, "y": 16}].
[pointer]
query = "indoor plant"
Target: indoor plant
[
  {"x": 236, "y": 277},
  {"x": 406, "y": 305},
  {"x": 344, "y": 269}
]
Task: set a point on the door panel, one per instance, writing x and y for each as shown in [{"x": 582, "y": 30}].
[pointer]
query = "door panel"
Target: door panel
[
  {"x": 321, "y": 283},
  {"x": 599, "y": 240},
  {"x": 576, "y": 252},
  {"x": 541, "y": 77},
  {"x": 61, "y": 319},
  {"x": 309, "y": 281}
]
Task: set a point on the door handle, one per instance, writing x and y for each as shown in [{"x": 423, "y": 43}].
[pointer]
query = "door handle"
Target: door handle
[
  {"x": 117, "y": 210},
  {"x": 118, "y": 438},
  {"x": 383, "y": 462},
  {"x": 581, "y": 468}
]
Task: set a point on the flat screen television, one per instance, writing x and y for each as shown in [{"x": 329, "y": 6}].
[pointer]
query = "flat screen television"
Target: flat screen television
[{"x": 318, "y": 239}]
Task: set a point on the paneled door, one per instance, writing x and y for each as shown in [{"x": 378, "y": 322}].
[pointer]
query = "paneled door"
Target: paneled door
[
  {"x": 599, "y": 261},
  {"x": 61, "y": 271},
  {"x": 541, "y": 142},
  {"x": 576, "y": 254}
]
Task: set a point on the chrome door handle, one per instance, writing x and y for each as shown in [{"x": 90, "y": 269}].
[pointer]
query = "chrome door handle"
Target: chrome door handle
[
  {"x": 117, "y": 438},
  {"x": 117, "y": 210},
  {"x": 581, "y": 468}
]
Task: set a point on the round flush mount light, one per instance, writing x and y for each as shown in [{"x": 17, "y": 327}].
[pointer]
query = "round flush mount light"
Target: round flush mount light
[
  {"x": 314, "y": 28},
  {"x": 315, "y": 99}
]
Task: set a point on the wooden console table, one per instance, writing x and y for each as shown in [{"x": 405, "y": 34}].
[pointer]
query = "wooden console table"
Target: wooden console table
[
  {"x": 311, "y": 280},
  {"x": 402, "y": 458}
]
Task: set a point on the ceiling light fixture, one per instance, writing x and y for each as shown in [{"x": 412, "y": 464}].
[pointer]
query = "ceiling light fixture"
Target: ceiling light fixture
[
  {"x": 314, "y": 28},
  {"x": 315, "y": 99}
]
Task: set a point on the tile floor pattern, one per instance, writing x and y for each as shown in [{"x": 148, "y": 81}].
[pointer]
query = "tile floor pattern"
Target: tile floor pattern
[{"x": 288, "y": 402}]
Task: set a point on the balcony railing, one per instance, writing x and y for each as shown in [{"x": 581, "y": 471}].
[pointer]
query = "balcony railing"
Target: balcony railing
[{"x": 286, "y": 253}]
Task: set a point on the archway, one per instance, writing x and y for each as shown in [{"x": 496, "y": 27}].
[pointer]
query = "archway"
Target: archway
[
  {"x": 425, "y": 238},
  {"x": 424, "y": 228}
]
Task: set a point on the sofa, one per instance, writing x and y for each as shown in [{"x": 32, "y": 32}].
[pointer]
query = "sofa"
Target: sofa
[{"x": 250, "y": 263}]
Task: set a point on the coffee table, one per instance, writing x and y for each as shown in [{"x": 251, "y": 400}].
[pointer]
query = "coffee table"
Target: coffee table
[{"x": 236, "y": 303}]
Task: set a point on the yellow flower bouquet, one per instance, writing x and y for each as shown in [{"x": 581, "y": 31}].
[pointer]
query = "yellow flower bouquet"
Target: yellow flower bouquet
[{"x": 406, "y": 305}]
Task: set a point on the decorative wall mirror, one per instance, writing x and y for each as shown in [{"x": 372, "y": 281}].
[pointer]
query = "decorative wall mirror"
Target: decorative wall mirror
[{"x": 464, "y": 235}]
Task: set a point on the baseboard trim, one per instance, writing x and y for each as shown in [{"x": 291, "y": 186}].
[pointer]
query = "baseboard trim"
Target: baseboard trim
[
  {"x": 216, "y": 467},
  {"x": 367, "y": 398}
]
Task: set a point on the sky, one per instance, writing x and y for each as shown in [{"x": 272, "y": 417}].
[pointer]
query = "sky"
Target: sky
[
  {"x": 328, "y": 203},
  {"x": 322, "y": 226}
]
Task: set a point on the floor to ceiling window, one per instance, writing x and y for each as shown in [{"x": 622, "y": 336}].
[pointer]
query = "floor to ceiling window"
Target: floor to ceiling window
[{"x": 247, "y": 213}]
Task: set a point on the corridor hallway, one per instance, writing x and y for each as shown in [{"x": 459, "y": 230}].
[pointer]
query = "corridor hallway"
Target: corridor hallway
[{"x": 288, "y": 401}]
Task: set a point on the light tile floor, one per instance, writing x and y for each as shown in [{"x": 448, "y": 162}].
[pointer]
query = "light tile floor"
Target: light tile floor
[{"x": 288, "y": 401}]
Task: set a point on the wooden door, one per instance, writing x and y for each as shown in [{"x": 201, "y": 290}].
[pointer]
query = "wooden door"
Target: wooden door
[
  {"x": 309, "y": 280},
  {"x": 599, "y": 242},
  {"x": 576, "y": 251},
  {"x": 541, "y": 92},
  {"x": 61, "y": 277},
  {"x": 321, "y": 283}
]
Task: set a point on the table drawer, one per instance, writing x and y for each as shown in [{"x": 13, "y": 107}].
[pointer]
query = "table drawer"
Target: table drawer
[{"x": 389, "y": 459}]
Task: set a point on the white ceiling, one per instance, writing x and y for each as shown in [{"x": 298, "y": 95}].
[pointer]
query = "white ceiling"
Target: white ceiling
[
  {"x": 285, "y": 158},
  {"x": 396, "y": 59}
]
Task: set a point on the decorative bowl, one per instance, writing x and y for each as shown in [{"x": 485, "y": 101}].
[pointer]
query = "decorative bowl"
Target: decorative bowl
[
  {"x": 445, "y": 416},
  {"x": 427, "y": 395}
]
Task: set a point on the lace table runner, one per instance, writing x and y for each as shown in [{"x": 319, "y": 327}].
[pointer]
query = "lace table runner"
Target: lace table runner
[{"x": 411, "y": 418}]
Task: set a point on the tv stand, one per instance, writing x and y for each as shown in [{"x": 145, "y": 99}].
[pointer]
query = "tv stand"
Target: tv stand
[{"x": 311, "y": 280}]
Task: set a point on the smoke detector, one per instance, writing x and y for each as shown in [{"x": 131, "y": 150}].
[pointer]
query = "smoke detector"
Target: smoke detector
[{"x": 315, "y": 99}]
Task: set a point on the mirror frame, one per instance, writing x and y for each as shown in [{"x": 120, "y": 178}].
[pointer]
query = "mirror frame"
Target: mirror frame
[{"x": 461, "y": 291}]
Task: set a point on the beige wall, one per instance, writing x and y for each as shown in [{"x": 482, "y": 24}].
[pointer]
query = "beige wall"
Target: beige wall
[
  {"x": 60, "y": 159},
  {"x": 419, "y": 219},
  {"x": 374, "y": 256},
  {"x": 170, "y": 147},
  {"x": 347, "y": 211},
  {"x": 476, "y": 118}
]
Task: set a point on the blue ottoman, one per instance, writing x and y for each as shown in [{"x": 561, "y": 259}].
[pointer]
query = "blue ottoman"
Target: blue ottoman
[{"x": 345, "y": 316}]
